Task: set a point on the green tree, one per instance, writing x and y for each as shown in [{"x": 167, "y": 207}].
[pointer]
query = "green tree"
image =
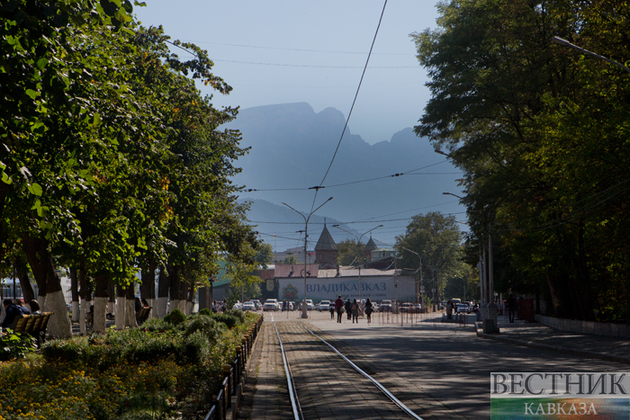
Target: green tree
[
  {"x": 350, "y": 252},
  {"x": 436, "y": 239},
  {"x": 539, "y": 132},
  {"x": 264, "y": 256}
]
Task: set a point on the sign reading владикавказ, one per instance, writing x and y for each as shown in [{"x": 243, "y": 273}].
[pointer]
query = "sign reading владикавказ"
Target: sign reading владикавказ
[{"x": 559, "y": 395}]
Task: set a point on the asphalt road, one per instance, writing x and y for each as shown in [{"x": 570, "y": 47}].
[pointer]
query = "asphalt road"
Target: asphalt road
[{"x": 440, "y": 370}]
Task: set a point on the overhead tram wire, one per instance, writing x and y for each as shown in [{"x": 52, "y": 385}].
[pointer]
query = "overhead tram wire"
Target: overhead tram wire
[
  {"x": 396, "y": 175},
  {"x": 354, "y": 101}
]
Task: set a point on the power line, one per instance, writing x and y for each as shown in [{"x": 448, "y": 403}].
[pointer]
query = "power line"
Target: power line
[
  {"x": 411, "y": 172},
  {"x": 296, "y": 49},
  {"x": 353, "y": 103},
  {"x": 309, "y": 65}
]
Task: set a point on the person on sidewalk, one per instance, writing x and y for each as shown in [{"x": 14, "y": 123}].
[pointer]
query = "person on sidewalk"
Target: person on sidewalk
[
  {"x": 511, "y": 306},
  {"x": 368, "y": 310},
  {"x": 348, "y": 308},
  {"x": 331, "y": 308},
  {"x": 449, "y": 309},
  {"x": 355, "y": 311},
  {"x": 339, "y": 308}
]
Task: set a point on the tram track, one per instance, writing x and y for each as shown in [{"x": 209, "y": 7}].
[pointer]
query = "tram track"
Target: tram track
[{"x": 325, "y": 383}]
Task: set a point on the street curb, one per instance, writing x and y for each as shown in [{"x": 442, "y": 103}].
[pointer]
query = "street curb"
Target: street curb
[{"x": 558, "y": 349}]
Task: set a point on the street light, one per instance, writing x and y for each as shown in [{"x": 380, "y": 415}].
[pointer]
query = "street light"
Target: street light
[
  {"x": 454, "y": 195},
  {"x": 358, "y": 238},
  {"x": 565, "y": 43},
  {"x": 306, "y": 219}
]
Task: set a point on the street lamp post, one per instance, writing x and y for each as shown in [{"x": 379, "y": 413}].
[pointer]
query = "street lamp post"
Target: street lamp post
[
  {"x": 358, "y": 238},
  {"x": 490, "y": 310},
  {"x": 565, "y": 43},
  {"x": 306, "y": 219},
  {"x": 421, "y": 277}
]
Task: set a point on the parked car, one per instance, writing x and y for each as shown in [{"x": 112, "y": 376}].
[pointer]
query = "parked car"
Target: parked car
[
  {"x": 271, "y": 305},
  {"x": 323, "y": 305},
  {"x": 309, "y": 304},
  {"x": 386, "y": 306},
  {"x": 463, "y": 308},
  {"x": 249, "y": 306},
  {"x": 406, "y": 307},
  {"x": 257, "y": 303}
]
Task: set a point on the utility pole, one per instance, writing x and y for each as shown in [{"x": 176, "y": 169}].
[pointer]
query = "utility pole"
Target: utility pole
[{"x": 306, "y": 219}]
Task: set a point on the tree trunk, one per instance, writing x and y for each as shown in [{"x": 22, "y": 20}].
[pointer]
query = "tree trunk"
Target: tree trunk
[
  {"x": 85, "y": 294},
  {"x": 21, "y": 270},
  {"x": 111, "y": 301},
  {"x": 101, "y": 298},
  {"x": 74, "y": 288},
  {"x": 161, "y": 306},
  {"x": 130, "y": 307},
  {"x": 147, "y": 287},
  {"x": 120, "y": 307},
  {"x": 41, "y": 263}
]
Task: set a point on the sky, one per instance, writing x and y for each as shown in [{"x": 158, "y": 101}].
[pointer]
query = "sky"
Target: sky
[
  {"x": 288, "y": 51},
  {"x": 275, "y": 51}
]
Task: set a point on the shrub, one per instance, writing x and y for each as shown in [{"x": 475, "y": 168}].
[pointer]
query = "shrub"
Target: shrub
[
  {"x": 229, "y": 320},
  {"x": 15, "y": 345},
  {"x": 238, "y": 314},
  {"x": 205, "y": 312},
  {"x": 211, "y": 329},
  {"x": 175, "y": 317}
]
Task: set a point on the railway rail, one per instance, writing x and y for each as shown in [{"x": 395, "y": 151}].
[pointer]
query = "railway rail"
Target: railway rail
[{"x": 355, "y": 392}]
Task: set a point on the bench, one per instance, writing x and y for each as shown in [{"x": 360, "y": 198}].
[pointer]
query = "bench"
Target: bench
[
  {"x": 143, "y": 314},
  {"x": 34, "y": 325}
]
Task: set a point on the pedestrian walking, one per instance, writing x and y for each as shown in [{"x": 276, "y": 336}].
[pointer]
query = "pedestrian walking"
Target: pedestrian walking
[
  {"x": 449, "y": 309},
  {"x": 331, "y": 308},
  {"x": 339, "y": 308},
  {"x": 355, "y": 311},
  {"x": 349, "y": 309},
  {"x": 511, "y": 304},
  {"x": 368, "y": 310}
]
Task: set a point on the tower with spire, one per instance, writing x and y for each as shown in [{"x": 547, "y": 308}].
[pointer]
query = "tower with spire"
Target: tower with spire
[{"x": 326, "y": 251}]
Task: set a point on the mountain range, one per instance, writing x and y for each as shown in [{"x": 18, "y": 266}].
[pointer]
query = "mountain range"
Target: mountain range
[{"x": 292, "y": 148}]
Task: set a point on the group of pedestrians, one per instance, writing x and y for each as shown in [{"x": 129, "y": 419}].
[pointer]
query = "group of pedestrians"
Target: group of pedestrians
[{"x": 351, "y": 309}]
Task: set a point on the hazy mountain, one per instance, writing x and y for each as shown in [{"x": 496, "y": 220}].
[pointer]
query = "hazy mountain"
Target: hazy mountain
[{"x": 292, "y": 147}]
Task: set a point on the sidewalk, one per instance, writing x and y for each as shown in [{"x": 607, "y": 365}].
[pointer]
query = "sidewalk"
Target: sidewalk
[{"x": 537, "y": 335}]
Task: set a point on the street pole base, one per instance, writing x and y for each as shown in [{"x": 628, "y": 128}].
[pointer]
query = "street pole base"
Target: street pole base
[{"x": 304, "y": 316}]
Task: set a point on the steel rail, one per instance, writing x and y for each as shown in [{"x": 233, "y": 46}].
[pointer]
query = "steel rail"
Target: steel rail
[
  {"x": 384, "y": 390},
  {"x": 295, "y": 402}
]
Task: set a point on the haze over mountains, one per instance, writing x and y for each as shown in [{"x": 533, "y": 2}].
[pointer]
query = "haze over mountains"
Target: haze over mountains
[{"x": 291, "y": 150}]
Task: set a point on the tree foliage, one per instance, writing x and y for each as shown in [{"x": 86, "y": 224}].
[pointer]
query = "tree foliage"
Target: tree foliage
[
  {"x": 432, "y": 243},
  {"x": 111, "y": 157},
  {"x": 541, "y": 133}
]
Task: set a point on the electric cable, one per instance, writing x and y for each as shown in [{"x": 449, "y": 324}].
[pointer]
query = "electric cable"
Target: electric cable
[{"x": 352, "y": 107}]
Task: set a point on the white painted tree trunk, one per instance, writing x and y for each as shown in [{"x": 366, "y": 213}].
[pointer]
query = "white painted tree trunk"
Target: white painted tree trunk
[
  {"x": 120, "y": 312},
  {"x": 100, "y": 309},
  {"x": 61, "y": 328},
  {"x": 160, "y": 307},
  {"x": 76, "y": 315},
  {"x": 85, "y": 308},
  {"x": 179, "y": 304},
  {"x": 152, "y": 303},
  {"x": 130, "y": 313}
]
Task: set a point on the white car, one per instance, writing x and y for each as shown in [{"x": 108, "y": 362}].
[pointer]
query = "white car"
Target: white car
[
  {"x": 323, "y": 305},
  {"x": 249, "y": 306},
  {"x": 270, "y": 305},
  {"x": 309, "y": 304}
]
